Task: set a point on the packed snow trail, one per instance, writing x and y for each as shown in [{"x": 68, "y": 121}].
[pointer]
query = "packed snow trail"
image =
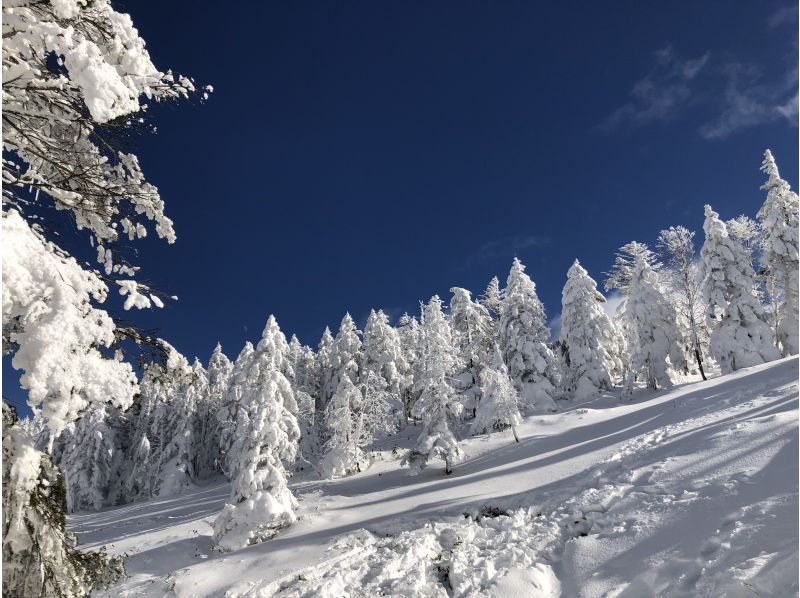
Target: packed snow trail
[{"x": 688, "y": 492}]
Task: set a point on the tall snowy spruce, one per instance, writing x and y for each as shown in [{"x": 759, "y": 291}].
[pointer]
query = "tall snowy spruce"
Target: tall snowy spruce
[
  {"x": 499, "y": 405},
  {"x": 652, "y": 327},
  {"x": 740, "y": 335},
  {"x": 219, "y": 373},
  {"x": 343, "y": 454},
  {"x": 383, "y": 358},
  {"x": 261, "y": 503},
  {"x": 305, "y": 385},
  {"x": 779, "y": 252},
  {"x": 408, "y": 333},
  {"x": 523, "y": 341},
  {"x": 591, "y": 343},
  {"x": 437, "y": 404},
  {"x": 474, "y": 338},
  {"x": 228, "y": 413},
  {"x": 344, "y": 359}
]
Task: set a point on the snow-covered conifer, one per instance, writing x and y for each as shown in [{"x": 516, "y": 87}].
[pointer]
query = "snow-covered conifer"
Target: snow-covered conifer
[
  {"x": 408, "y": 333},
  {"x": 437, "y": 406},
  {"x": 740, "y": 335},
  {"x": 779, "y": 252},
  {"x": 492, "y": 298},
  {"x": 261, "y": 502},
  {"x": 523, "y": 340},
  {"x": 590, "y": 343},
  {"x": 90, "y": 458},
  {"x": 473, "y": 335},
  {"x": 621, "y": 273},
  {"x": 652, "y": 326},
  {"x": 499, "y": 406},
  {"x": 343, "y": 454},
  {"x": 219, "y": 373},
  {"x": 229, "y": 409},
  {"x": 306, "y": 388}
]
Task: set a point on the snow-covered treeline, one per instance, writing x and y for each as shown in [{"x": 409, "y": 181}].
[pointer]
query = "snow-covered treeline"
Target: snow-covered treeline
[{"x": 473, "y": 366}]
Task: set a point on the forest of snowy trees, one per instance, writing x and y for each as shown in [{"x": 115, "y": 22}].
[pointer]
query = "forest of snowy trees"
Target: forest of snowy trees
[{"x": 120, "y": 416}]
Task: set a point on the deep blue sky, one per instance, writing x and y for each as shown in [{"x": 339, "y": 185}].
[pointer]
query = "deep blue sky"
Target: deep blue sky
[{"x": 371, "y": 154}]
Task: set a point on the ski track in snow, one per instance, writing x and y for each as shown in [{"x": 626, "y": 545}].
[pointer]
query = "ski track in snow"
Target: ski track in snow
[{"x": 686, "y": 492}]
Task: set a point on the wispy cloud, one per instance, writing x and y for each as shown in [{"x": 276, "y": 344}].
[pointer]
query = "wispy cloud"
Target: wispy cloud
[
  {"x": 503, "y": 247},
  {"x": 783, "y": 16},
  {"x": 748, "y": 101},
  {"x": 660, "y": 94}
]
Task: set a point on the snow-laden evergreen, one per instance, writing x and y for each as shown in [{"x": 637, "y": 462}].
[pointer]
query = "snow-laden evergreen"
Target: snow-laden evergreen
[
  {"x": 228, "y": 413},
  {"x": 740, "y": 335},
  {"x": 651, "y": 322},
  {"x": 267, "y": 435},
  {"x": 219, "y": 373},
  {"x": 408, "y": 334},
  {"x": 523, "y": 341},
  {"x": 591, "y": 344},
  {"x": 499, "y": 405},
  {"x": 779, "y": 252},
  {"x": 437, "y": 404},
  {"x": 492, "y": 298},
  {"x": 90, "y": 458},
  {"x": 306, "y": 387},
  {"x": 473, "y": 334},
  {"x": 383, "y": 358},
  {"x": 343, "y": 454}
]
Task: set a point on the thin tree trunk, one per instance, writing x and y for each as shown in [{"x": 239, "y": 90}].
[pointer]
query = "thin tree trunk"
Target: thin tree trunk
[
  {"x": 514, "y": 432},
  {"x": 699, "y": 362}
]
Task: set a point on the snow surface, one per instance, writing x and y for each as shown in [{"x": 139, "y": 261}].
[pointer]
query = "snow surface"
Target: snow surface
[{"x": 686, "y": 492}]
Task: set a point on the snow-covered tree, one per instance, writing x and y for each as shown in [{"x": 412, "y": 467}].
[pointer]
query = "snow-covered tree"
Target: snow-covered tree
[
  {"x": 740, "y": 335},
  {"x": 90, "y": 458},
  {"x": 344, "y": 360},
  {"x": 383, "y": 356},
  {"x": 74, "y": 74},
  {"x": 40, "y": 557},
  {"x": 499, "y": 406},
  {"x": 408, "y": 333},
  {"x": 261, "y": 502},
  {"x": 219, "y": 373},
  {"x": 682, "y": 273},
  {"x": 651, "y": 322},
  {"x": 228, "y": 413},
  {"x": 492, "y": 298},
  {"x": 343, "y": 454},
  {"x": 437, "y": 404},
  {"x": 779, "y": 252},
  {"x": 523, "y": 341},
  {"x": 474, "y": 337},
  {"x": 621, "y": 273},
  {"x": 590, "y": 342},
  {"x": 306, "y": 388}
]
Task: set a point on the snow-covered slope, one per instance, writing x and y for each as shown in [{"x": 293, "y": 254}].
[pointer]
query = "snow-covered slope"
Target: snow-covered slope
[{"x": 690, "y": 492}]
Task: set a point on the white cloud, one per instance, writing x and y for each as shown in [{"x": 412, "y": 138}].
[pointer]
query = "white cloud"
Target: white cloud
[
  {"x": 749, "y": 101},
  {"x": 613, "y": 301},
  {"x": 660, "y": 94}
]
